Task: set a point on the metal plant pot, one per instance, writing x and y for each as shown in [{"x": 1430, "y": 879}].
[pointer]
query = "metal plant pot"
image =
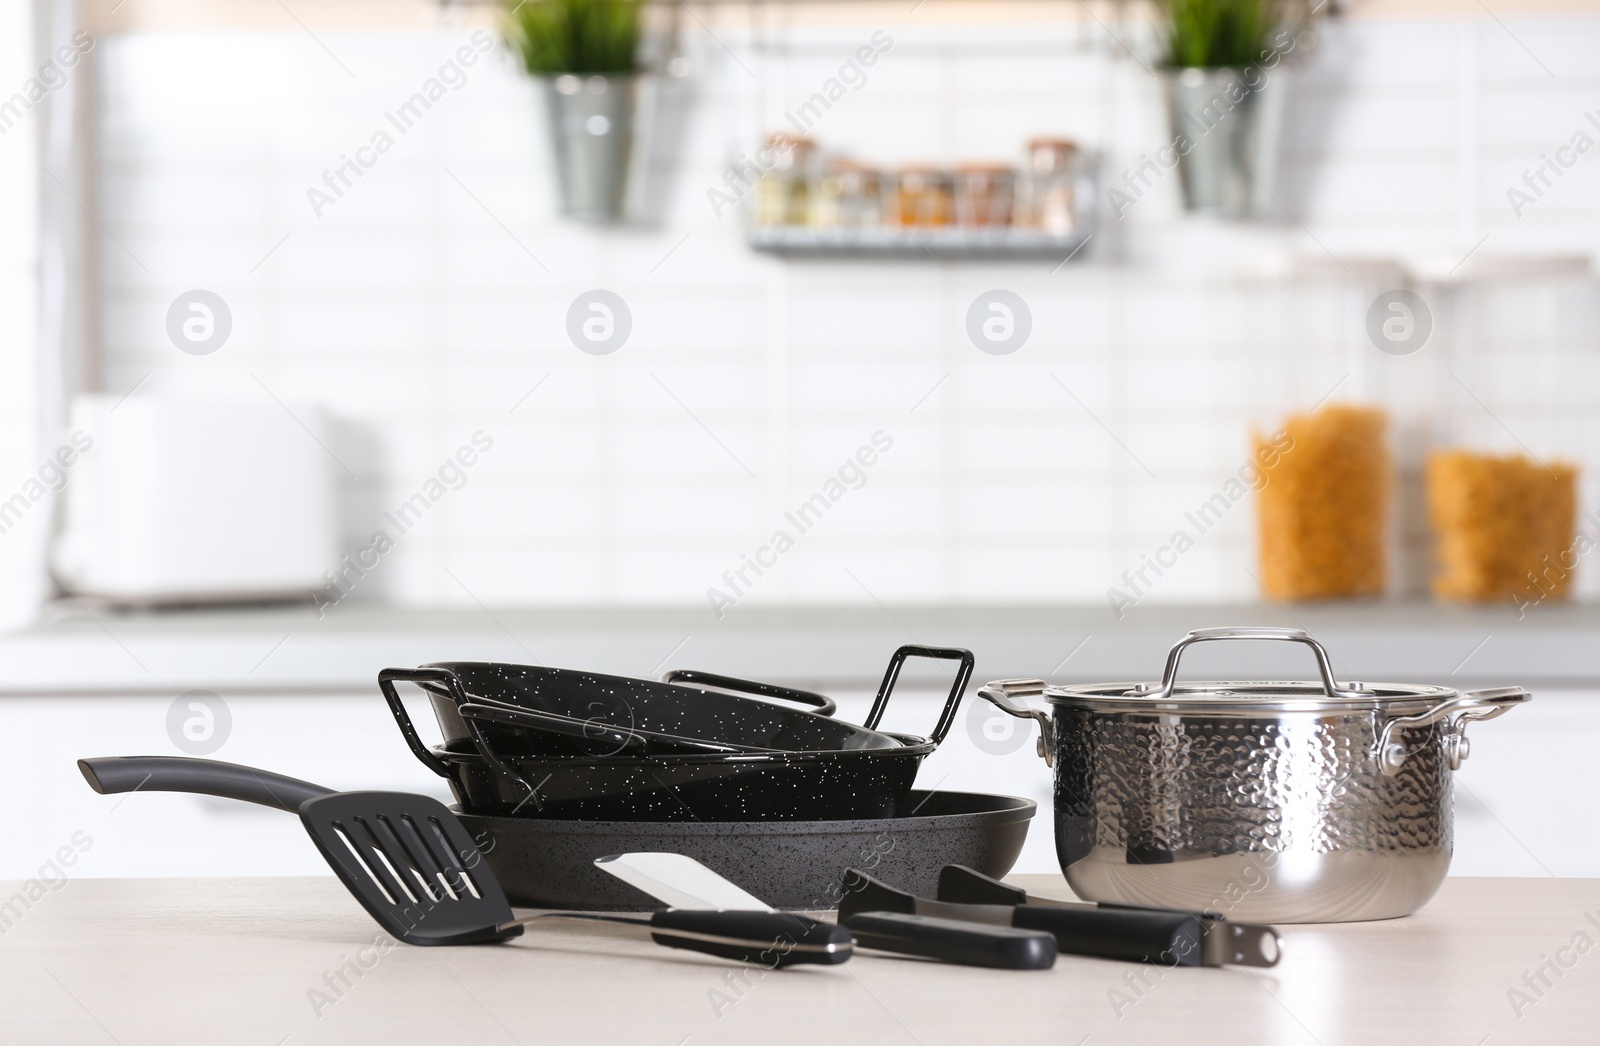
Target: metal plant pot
[
  {"x": 594, "y": 122},
  {"x": 1231, "y": 123}
]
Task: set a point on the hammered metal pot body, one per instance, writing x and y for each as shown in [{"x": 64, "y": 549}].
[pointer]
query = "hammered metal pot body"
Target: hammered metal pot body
[{"x": 1283, "y": 817}]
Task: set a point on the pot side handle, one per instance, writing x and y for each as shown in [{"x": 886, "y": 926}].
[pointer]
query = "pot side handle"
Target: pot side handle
[
  {"x": 1470, "y": 707},
  {"x": 1000, "y": 693}
]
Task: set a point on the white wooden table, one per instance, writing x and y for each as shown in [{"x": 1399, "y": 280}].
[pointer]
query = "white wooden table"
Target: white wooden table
[{"x": 289, "y": 961}]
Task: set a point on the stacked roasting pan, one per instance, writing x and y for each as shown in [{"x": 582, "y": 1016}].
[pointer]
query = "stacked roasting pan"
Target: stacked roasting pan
[{"x": 553, "y": 767}]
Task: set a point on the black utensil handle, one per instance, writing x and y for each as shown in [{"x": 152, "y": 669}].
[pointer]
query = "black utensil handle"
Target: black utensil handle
[
  {"x": 962, "y": 885},
  {"x": 823, "y": 705},
  {"x": 1167, "y": 938},
  {"x": 951, "y": 940},
  {"x": 166, "y": 773},
  {"x": 860, "y": 892},
  {"x": 386, "y": 681},
  {"x": 566, "y": 726},
  {"x": 892, "y": 675},
  {"x": 770, "y": 939}
]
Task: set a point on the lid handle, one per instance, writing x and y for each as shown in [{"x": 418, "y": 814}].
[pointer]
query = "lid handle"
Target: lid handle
[{"x": 1169, "y": 677}]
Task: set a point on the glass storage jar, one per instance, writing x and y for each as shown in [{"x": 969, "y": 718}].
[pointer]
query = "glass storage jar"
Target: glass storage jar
[
  {"x": 984, "y": 195},
  {"x": 850, "y": 196},
  {"x": 923, "y": 197},
  {"x": 783, "y": 196},
  {"x": 1050, "y": 188}
]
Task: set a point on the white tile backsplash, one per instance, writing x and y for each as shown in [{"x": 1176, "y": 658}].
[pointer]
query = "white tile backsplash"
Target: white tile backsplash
[{"x": 429, "y": 299}]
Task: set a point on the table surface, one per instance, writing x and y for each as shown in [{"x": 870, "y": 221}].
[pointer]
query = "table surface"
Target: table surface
[{"x": 290, "y": 961}]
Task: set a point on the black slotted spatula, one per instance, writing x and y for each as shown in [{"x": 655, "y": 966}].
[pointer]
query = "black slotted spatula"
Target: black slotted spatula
[{"x": 413, "y": 867}]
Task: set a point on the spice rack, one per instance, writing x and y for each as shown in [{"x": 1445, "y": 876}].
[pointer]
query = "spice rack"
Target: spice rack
[{"x": 809, "y": 205}]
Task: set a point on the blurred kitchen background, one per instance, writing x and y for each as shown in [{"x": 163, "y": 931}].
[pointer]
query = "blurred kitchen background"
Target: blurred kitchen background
[{"x": 343, "y": 388}]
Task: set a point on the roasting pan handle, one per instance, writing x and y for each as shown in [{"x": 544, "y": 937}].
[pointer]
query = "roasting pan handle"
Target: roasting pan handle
[
  {"x": 386, "y": 681},
  {"x": 1169, "y": 677},
  {"x": 484, "y": 710},
  {"x": 892, "y": 675},
  {"x": 823, "y": 705}
]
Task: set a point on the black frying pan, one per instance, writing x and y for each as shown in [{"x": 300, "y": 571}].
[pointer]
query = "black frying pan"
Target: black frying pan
[{"x": 789, "y": 864}]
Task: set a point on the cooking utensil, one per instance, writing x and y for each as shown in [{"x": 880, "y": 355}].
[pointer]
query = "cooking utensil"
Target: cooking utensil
[
  {"x": 792, "y": 864},
  {"x": 580, "y": 713},
  {"x": 635, "y": 781},
  {"x": 414, "y": 868},
  {"x": 1269, "y": 801},
  {"x": 680, "y": 881},
  {"x": 405, "y": 858},
  {"x": 1221, "y": 942},
  {"x": 1168, "y": 938},
  {"x": 684, "y": 882}
]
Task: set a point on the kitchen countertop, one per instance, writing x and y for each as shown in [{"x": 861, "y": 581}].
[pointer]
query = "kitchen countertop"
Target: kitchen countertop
[
  {"x": 216, "y": 961},
  {"x": 284, "y": 649}
]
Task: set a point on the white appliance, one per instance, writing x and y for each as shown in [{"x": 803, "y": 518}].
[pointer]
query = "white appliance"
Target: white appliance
[{"x": 180, "y": 499}]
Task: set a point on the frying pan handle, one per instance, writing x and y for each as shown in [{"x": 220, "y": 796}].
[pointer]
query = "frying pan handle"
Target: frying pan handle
[
  {"x": 937, "y": 653},
  {"x": 823, "y": 705},
  {"x": 168, "y": 773},
  {"x": 386, "y": 681}
]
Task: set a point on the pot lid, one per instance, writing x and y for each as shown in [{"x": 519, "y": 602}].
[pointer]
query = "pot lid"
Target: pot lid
[{"x": 1247, "y": 696}]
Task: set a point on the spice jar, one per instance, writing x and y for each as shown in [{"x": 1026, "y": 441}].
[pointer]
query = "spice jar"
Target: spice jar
[
  {"x": 1049, "y": 190},
  {"x": 984, "y": 194},
  {"x": 849, "y": 197},
  {"x": 784, "y": 193},
  {"x": 922, "y": 197}
]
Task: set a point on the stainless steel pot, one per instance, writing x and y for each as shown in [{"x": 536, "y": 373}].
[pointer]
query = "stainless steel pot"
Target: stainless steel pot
[{"x": 1265, "y": 801}]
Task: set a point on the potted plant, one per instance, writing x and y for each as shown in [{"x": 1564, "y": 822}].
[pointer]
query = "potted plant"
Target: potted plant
[
  {"x": 584, "y": 56},
  {"x": 1222, "y": 79}
]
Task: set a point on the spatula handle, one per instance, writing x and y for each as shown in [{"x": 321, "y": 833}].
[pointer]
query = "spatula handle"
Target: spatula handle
[
  {"x": 770, "y": 939},
  {"x": 163, "y": 773}
]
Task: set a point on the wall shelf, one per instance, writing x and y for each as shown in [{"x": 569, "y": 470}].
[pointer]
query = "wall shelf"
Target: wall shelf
[{"x": 943, "y": 244}]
